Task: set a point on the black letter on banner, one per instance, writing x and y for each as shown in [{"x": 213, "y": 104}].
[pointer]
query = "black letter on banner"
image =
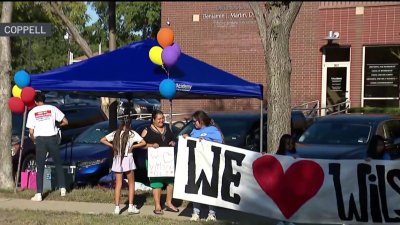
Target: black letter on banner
[
  {"x": 382, "y": 191},
  {"x": 190, "y": 187},
  {"x": 362, "y": 170},
  {"x": 209, "y": 190},
  {"x": 228, "y": 177},
  {"x": 390, "y": 178},
  {"x": 374, "y": 200}
]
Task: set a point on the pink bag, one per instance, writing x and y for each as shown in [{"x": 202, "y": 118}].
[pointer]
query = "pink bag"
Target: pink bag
[{"x": 28, "y": 179}]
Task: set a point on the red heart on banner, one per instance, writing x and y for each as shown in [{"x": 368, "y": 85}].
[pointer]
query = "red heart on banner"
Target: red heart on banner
[{"x": 292, "y": 189}]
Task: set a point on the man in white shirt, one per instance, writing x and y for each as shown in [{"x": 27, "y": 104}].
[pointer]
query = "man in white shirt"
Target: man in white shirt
[{"x": 43, "y": 131}]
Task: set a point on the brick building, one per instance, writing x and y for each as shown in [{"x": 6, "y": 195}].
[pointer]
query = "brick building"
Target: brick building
[{"x": 339, "y": 50}]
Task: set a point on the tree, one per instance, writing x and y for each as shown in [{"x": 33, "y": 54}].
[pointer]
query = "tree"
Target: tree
[
  {"x": 6, "y": 181},
  {"x": 275, "y": 20}
]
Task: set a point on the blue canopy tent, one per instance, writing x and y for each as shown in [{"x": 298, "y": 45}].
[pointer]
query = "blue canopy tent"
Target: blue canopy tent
[{"x": 127, "y": 72}]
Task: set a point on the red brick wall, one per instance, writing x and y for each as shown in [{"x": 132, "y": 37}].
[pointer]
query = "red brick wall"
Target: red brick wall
[
  {"x": 233, "y": 44},
  {"x": 378, "y": 25}
]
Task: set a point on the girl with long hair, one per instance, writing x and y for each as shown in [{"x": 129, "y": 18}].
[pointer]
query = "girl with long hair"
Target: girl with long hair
[
  {"x": 123, "y": 141},
  {"x": 287, "y": 146}
]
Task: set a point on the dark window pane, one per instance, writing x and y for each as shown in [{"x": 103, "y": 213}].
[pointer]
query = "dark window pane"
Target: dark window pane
[
  {"x": 381, "y": 72},
  {"x": 338, "y": 54}
]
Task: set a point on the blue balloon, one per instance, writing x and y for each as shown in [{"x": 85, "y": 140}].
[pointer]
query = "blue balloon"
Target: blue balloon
[
  {"x": 167, "y": 88},
  {"x": 22, "y": 79}
]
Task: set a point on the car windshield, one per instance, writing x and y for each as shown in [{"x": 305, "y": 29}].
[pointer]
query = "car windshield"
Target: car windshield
[
  {"x": 334, "y": 132},
  {"x": 93, "y": 134}
]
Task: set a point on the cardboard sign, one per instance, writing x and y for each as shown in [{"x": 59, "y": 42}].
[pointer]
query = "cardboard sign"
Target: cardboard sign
[{"x": 161, "y": 162}]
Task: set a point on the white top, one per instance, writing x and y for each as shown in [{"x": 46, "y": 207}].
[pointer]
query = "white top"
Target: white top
[
  {"x": 42, "y": 119},
  {"x": 132, "y": 139}
]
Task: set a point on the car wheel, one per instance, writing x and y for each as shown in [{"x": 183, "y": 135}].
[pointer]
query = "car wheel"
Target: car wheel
[{"x": 29, "y": 162}]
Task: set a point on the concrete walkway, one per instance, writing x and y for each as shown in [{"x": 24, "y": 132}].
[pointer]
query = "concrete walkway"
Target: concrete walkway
[{"x": 108, "y": 208}]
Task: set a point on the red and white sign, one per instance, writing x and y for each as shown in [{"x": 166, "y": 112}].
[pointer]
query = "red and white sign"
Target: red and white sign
[{"x": 284, "y": 188}]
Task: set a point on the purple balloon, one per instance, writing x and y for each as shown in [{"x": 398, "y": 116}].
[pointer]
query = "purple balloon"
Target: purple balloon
[
  {"x": 177, "y": 48},
  {"x": 169, "y": 56}
]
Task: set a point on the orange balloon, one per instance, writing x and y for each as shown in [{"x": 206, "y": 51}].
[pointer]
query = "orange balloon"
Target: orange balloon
[{"x": 165, "y": 37}]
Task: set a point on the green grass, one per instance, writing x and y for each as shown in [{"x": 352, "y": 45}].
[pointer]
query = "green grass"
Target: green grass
[
  {"x": 34, "y": 217},
  {"x": 90, "y": 194}
]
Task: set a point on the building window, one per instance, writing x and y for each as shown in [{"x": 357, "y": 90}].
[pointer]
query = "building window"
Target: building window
[{"x": 381, "y": 76}]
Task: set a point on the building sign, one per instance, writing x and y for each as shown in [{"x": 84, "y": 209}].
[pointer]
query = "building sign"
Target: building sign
[
  {"x": 229, "y": 16},
  {"x": 381, "y": 73},
  {"x": 25, "y": 29}
]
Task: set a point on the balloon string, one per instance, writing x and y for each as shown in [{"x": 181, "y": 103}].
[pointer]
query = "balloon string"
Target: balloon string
[{"x": 166, "y": 71}]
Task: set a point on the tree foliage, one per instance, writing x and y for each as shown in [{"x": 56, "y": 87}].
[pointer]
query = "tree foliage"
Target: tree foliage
[{"x": 134, "y": 21}]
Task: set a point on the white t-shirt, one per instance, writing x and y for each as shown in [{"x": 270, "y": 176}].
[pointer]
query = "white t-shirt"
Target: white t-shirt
[
  {"x": 132, "y": 139},
  {"x": 42, "y": 119}
]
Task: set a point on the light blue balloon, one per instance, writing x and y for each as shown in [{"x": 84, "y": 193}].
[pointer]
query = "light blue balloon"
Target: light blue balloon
[
  {"x": 167, "y": 88},
  {"x": 22, "y": 78}
]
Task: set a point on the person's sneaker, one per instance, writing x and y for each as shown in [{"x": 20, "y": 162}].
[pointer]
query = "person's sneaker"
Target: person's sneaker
[
  {"x": 63, "y": 192},
  {"x": 133, "y": 210},
  {"x": 211, "y": 217},
  {"x": 195, "y": 217},
  {"x": 37, "y": 197},
  {"x": 116, "y": 211}
]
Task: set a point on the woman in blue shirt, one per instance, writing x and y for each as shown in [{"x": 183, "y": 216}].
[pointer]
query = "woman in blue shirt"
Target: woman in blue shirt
[
  {"x": 205, "y": 129},
  {"x": 376, "y": 149},
  {"x": 287, "y": 146}
]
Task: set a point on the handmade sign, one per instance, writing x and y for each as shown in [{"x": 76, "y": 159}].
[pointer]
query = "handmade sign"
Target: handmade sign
[
  {"x": 284, "y": 188},
  {"x": 161, "y": 162}
]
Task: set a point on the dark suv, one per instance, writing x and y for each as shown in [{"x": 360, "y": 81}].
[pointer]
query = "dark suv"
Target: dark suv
[
  {"x": 80, "y": 117},
  {"x": 347, "y": 136},
  {"x": 241, "y": 129}
]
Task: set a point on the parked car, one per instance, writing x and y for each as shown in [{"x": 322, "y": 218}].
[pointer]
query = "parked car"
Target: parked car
[
  {"x": 138, "y": 106},
  {"x": 346, "y": 136},
  {"x": 242, "y": 129},
  {"x": 80, "y": 117},
  {"x": 57, "y": 98},
  {"x": 93, "y": 159}
]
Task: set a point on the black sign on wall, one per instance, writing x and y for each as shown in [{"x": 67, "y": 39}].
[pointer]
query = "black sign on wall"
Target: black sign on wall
[{"x": 381, "y": 72}]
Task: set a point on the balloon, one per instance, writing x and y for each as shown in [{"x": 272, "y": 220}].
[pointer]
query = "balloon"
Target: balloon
[
  {"x": 28, "y": 95},
  {"x": 16, "y": 91},
  {"x": 167, "y": 88},
  {"x": 16, "y": 105},
  {"x": 155, "y": 55},
  {"x": 22, "y": 79},
  {"x": 169, "y": 56},
  {"x": 177, "y": 48},
  {"x": 165, "y": 37}
]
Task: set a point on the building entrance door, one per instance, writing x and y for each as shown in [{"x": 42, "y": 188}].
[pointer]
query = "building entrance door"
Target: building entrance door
[
  {"x": 336, "y": 87},
  {"x": 335, "y": 79}
]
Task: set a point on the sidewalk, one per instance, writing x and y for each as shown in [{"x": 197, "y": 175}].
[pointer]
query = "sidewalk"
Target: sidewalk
[{"x": 108, "y": 208}]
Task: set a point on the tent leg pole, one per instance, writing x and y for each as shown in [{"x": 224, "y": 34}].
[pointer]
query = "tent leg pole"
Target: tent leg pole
[
  {"x": 261, "y": 125},
  {"x": 170, "y": 114}
]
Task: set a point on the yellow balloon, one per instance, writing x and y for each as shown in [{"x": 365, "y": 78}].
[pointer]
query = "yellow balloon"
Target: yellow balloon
[
  {"x": 155, "y": 55},
  {"x": 16, "y": 91}
]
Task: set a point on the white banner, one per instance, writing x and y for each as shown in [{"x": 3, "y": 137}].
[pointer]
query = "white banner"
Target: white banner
[
  {"x": 284, "y": 188},
  {"x": 161, "y": 162}
]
